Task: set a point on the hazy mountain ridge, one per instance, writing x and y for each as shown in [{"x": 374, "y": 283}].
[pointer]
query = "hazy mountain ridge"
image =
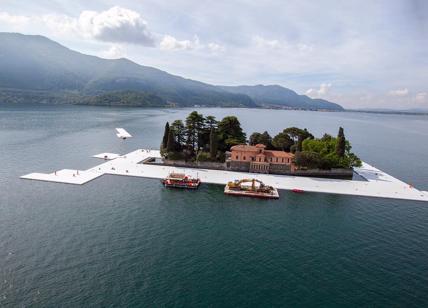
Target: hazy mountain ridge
[
  {"x": 275, "y": 95},
  {"x": 36, "y": 64}
]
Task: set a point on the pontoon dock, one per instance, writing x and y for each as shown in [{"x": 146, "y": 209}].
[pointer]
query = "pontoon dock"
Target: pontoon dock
[{"x": 377, "y": 184}]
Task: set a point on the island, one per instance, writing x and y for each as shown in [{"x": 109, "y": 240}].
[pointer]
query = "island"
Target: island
[{"x": 204, "y": 142}]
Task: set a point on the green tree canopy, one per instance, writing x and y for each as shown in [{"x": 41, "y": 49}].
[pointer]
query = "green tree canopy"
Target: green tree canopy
[
  {"x": 194, "y": 126},
  {"x": 341, "y": 143},
  {"x": 179, "y": 130},
  {"x": 211, "y": 122},
  {"x": 171, "y": 142},
  {"x": 282, "y": 142},
  {"x": 264, "y": 138},
  {"x": 213, "y": 144},
  {"x": 230, "y": 133},
  {"x": 165, "y": 136},
  {"x": 298, "y": 135}
]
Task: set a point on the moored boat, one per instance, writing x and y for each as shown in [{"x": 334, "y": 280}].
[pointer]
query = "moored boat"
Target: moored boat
[
  {"x": 180, "y": 180},
  {"x": 251, "y": 188}
]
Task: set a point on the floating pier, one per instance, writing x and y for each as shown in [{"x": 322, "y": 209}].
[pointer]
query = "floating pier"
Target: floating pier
[{"x": 377, "y": 183}]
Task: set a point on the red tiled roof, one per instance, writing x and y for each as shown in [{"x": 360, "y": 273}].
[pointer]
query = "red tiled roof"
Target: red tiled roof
[
  {"x": 256, "y": 148},
  {"x": 245, "y": 147},
  {"x": 279, "y": 154}
]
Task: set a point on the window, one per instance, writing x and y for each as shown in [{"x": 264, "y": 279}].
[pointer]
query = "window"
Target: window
[
  {"x": 277, "y": 159},
  {"x": 243, "y": 158},
  {"x": 237, "y": 157}
]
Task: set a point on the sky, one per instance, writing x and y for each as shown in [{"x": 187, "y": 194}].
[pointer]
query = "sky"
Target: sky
[{"x": 360, "y": 54}]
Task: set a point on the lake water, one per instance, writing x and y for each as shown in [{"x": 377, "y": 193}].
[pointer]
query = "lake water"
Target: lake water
[{"x": 120, "y": 241}]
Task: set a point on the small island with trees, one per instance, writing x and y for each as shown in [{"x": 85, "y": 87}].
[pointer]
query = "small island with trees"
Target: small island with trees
[{"x": 205, "y": 142}]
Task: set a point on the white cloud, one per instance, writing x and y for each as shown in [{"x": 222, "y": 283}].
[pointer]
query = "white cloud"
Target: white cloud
[
  {"x": 116, "y": 25},
  {"x": 13, "y": 19},
  {"x": 171, "y": 43},
  {"x": 214, "y": 47},
  {"x": 421, "y": 97},
  {"x": 265, "y": 43},
  {"x": 322, "y": 91},
  {"x": 399, "y": 92},
  {"x": 114, "y": 52}
]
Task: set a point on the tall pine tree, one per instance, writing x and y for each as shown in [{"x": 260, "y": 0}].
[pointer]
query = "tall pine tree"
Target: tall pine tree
[
  {"x": 213, "y": 144},
  {"x": 341, "y": 143},
  {"x": 165, "y": 136},
  {"x": 170, "y": 145}
]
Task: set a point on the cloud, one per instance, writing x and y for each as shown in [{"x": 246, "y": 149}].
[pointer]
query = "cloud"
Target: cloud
[
  {"x": 214, "y": 47},
  {"x": 13, "y": 19},
  {"x": 169, "y": 42},
  {"x": 322, "y": 91},
  {"x": 116, "y": 25},
  {"x": 399, "y": 92},
  {"x": 261, "y": 42},
  {"x": 265, "y": 43},
  {"x": 421, "y": 97},
  {"x": 114, "y": 52}
]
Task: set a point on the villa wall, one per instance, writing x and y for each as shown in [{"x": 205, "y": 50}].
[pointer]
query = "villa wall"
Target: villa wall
[
  {"x": 243, "y": 166},
  {"x": 279, "y": 169},
  {"x": 196, "y": 164},
  {"x": 338, "y": 173}
]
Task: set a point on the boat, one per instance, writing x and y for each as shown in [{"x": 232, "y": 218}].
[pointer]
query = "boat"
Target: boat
[
  {"x": 251, "y": 188},
  {"x": 298, "y": 190},
  {"x": 180, "y": 180}
]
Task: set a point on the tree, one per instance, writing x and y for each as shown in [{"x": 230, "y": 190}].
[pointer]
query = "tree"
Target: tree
[
  {"x": 213, "y": 144},
  {"x": 170, "y": 147},
  {"x": 165, "y": 136},
  {"x": 298, "y": 135},
  {"x": 264, "y": 138},
  {"x": 308, "y": 160},
  {"x": 211, "y": 122},
  {"x": 179, "y": 131},
  {"x": 194, "y": 126},
  {"x": 255, "y": 138},
  {"x": 293, "y": 132},
  {"x": 230, "y": 133},
  {"x": 341, "y": 143},
  {"x": 282, "y": 141}
]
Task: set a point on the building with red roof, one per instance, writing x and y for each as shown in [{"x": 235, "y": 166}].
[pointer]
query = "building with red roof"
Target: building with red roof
[{"x": 255, "y": 158}]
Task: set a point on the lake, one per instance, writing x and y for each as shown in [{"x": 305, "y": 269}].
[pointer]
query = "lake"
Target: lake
[{"x": 120, "y": 241}]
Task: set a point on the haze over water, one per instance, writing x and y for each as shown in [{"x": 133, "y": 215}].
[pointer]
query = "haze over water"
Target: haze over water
[{"x": 120, "y": 241}]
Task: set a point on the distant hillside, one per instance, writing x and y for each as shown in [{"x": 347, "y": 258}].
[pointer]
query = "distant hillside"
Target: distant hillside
[
  {"x": 37, "y": 69},
  {"x": 277, "y": 96}
]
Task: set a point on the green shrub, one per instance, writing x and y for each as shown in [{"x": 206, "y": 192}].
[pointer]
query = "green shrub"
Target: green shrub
[
  {"x": 175, "y": 155},
  {"x": 203, "y": 156}
]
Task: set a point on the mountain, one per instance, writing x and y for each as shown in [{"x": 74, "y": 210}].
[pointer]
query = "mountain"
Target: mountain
[
  {"x": 37, "y": 69},
  {"x": 277, "y": 96}
]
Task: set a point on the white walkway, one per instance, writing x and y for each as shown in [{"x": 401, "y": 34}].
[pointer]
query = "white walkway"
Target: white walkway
[{"x": 378, "y": 184}]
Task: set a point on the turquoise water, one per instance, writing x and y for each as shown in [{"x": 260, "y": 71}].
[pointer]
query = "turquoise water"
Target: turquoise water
[{"x": 120, "y": 241}]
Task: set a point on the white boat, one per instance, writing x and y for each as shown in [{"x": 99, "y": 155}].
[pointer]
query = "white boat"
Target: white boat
[{"x": 122, "y": 133}]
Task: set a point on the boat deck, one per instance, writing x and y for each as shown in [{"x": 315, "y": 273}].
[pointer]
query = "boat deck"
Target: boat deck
[{"x": 377, "y": 184}]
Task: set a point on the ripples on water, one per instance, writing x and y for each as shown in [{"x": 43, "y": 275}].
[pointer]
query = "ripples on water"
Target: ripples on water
[{"x": 120, "y": 241}]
